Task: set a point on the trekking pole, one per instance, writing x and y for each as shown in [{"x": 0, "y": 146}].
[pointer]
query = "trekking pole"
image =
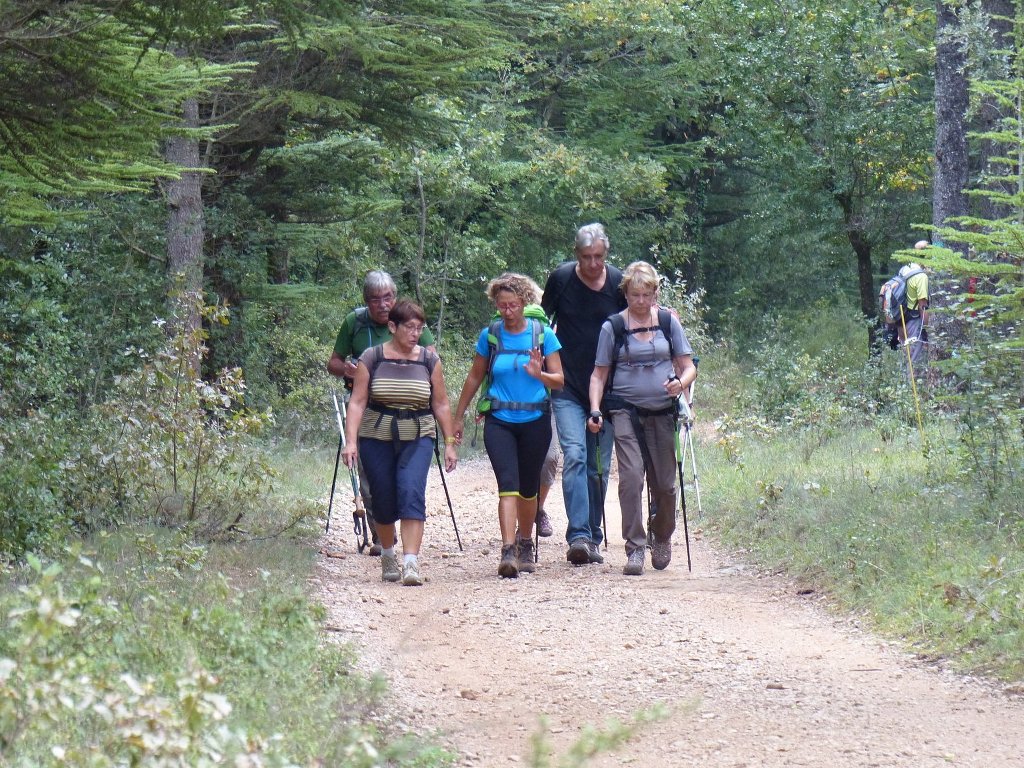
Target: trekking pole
[
  {"x": 682, "y": 496},
  {"x": 337, "y": 461},
  {"x": 360, "y": 525},
  {"x": 444, "y": 484},
  {"x": 910, "y": 368},
  {"x": 688, "y": 444},
  {"x": 600, "y": 485}
]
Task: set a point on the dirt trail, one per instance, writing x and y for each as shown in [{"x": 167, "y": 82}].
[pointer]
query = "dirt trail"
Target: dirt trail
[{"x": 752, "y": 673}]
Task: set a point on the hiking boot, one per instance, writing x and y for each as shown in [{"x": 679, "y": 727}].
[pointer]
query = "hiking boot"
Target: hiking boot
[
  {"x": 411, "y": 575},
  {"x": 661, "y": 554},
  {"x": 544, "y": 528},
  {"x": 635, "y": 563},
  {"x": 594, "y": 553},
  {"x": 525, "y": 554},
  {"x": 508, "y": 568},
  {"x": 579, "y": 552},
  {"x": 389, "y": 569},
  {"x": 375, "y": 547}
]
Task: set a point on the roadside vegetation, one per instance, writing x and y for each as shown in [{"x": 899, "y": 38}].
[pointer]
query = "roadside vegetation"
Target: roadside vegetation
[
  {"x": 172, "y": 278},
  {"x": 817, "y": 468}
]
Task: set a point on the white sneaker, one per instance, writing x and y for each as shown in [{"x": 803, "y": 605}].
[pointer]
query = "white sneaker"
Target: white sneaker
[{"x": 411, "y": 577}]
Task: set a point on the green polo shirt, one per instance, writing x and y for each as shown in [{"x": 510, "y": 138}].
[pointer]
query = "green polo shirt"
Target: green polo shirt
[{"x": 354, "y": 338}]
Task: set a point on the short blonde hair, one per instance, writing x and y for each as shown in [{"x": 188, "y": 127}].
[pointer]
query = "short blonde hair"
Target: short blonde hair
[
  {"x": 640, "y": 274},
  {"x": 523, "y": 287}
]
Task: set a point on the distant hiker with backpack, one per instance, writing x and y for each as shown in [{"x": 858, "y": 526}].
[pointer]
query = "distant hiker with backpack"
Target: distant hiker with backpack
[
  {"x": 578, "y": 296},
  {"x": 399, "y": 400},
  {"x": 363, "y": 328},
  {"x": 643, "y": 364},
  {"x": 517, "y": 360},
  {"x": 903, "y": 306}
]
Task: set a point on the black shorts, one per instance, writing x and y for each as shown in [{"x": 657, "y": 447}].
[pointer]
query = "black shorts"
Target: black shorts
[{"x": 517, "y": 453}]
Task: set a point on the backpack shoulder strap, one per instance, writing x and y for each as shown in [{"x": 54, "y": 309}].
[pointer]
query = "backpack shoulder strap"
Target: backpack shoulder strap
[
  {"x": 560, "y": 277},
  {"x": 494, "y": 343},
  {"x": 618, "y": 334},
  {"x": 362, "y": 323},
  {"x": 376, "y": 357},
  {"x": 665, "y": 323}
]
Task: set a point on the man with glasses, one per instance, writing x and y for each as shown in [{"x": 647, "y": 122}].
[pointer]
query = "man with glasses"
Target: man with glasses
[{"x": 362, "y": 328}]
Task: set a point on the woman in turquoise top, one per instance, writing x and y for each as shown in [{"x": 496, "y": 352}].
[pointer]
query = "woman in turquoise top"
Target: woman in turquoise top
[{"x": 518, "y": 355}]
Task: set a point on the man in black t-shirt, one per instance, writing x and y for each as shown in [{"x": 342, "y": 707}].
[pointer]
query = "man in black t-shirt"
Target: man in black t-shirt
[{"x": 578, "y": 297}]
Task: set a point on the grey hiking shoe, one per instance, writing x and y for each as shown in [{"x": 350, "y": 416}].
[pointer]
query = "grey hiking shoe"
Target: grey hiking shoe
[
  {"x": 411, "y": 574},
  {"x": 508, "y": 568},
  {"x": 544, "y": 528},
  {"x": 579, "y": 552},
  {"x": 594, "y": 553},
  {"x": 525, "y": 553},
  {"x": 661, "y": 554},
  {"x": 635, "y": 563},
  {"x": 389, "y": 568}
]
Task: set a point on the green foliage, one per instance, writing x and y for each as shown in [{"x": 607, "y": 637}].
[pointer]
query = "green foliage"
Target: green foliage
[
  {"x": 824, "y": 156},
  {"x": 172, "y": 447},
  {"x": 94, "y": 97},
  {"x": 32, "y": 516},
  {"x": 985, "y": 315},
  {"x": 820, "y": 471},
  {"x": 143, "y": 656}
]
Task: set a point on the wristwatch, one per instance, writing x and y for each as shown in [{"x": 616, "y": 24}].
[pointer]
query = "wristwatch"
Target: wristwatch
[{"x": 595, "y": 415}]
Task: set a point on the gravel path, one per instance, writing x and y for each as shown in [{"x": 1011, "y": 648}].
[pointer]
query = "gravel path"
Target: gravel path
[{"x": 748, "y": 672}]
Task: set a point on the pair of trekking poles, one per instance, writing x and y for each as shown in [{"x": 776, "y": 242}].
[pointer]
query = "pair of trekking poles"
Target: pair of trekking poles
[{"x": 360, "y": 523}]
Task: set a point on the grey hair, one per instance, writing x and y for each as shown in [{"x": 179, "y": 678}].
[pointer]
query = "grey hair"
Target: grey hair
[
  {"x": 589, "y": 234},
  {"x": 377, "y": 281}
]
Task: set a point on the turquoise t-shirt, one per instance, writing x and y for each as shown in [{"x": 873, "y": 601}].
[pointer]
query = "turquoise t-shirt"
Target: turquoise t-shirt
[{"x": 511, "y": 382}]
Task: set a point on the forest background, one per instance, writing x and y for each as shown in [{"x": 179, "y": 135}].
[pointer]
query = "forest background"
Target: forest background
[{"x": 193, "y": 190}]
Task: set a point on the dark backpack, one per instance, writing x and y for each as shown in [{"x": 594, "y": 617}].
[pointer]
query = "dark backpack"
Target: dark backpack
[
  {"x": 362, "y": 323},
  {"x": 892, "y": 298},
  {"x": 537, "y": 320},
  {"x": 620, "y": 338}
]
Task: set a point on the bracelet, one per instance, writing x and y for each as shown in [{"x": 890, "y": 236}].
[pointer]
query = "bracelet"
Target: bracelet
[{"x": 450, "y": 440}]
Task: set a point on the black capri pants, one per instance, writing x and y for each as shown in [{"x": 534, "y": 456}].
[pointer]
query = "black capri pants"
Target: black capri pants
[{"x": 517, "y": 453}]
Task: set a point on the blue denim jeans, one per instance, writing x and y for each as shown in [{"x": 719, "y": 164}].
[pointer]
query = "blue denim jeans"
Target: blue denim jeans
[{"x": 582, "y": 491}]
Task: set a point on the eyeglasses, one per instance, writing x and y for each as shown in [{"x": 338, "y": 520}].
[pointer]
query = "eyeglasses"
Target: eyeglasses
[
  {"x": 508, "y": 307},
  {"x": 387, "y": 298},
  {"x": 413, "y": 327}
]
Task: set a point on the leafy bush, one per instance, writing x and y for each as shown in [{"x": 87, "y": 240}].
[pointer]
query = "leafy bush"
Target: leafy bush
[{"x": 144, "y": 657}]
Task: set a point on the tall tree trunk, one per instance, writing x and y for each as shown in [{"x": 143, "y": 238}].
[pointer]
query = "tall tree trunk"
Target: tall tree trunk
[
  {"x": 951, "y": 100},
  {"x": 862, "y": 248},
  {"x": 185, "y": 232}
]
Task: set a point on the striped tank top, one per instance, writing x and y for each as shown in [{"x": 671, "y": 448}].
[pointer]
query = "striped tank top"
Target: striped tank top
[{"x": 399, "y": 398}]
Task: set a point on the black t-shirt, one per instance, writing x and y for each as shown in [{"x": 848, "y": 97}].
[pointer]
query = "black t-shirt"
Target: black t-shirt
[{"x": 578, "y": 313}]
